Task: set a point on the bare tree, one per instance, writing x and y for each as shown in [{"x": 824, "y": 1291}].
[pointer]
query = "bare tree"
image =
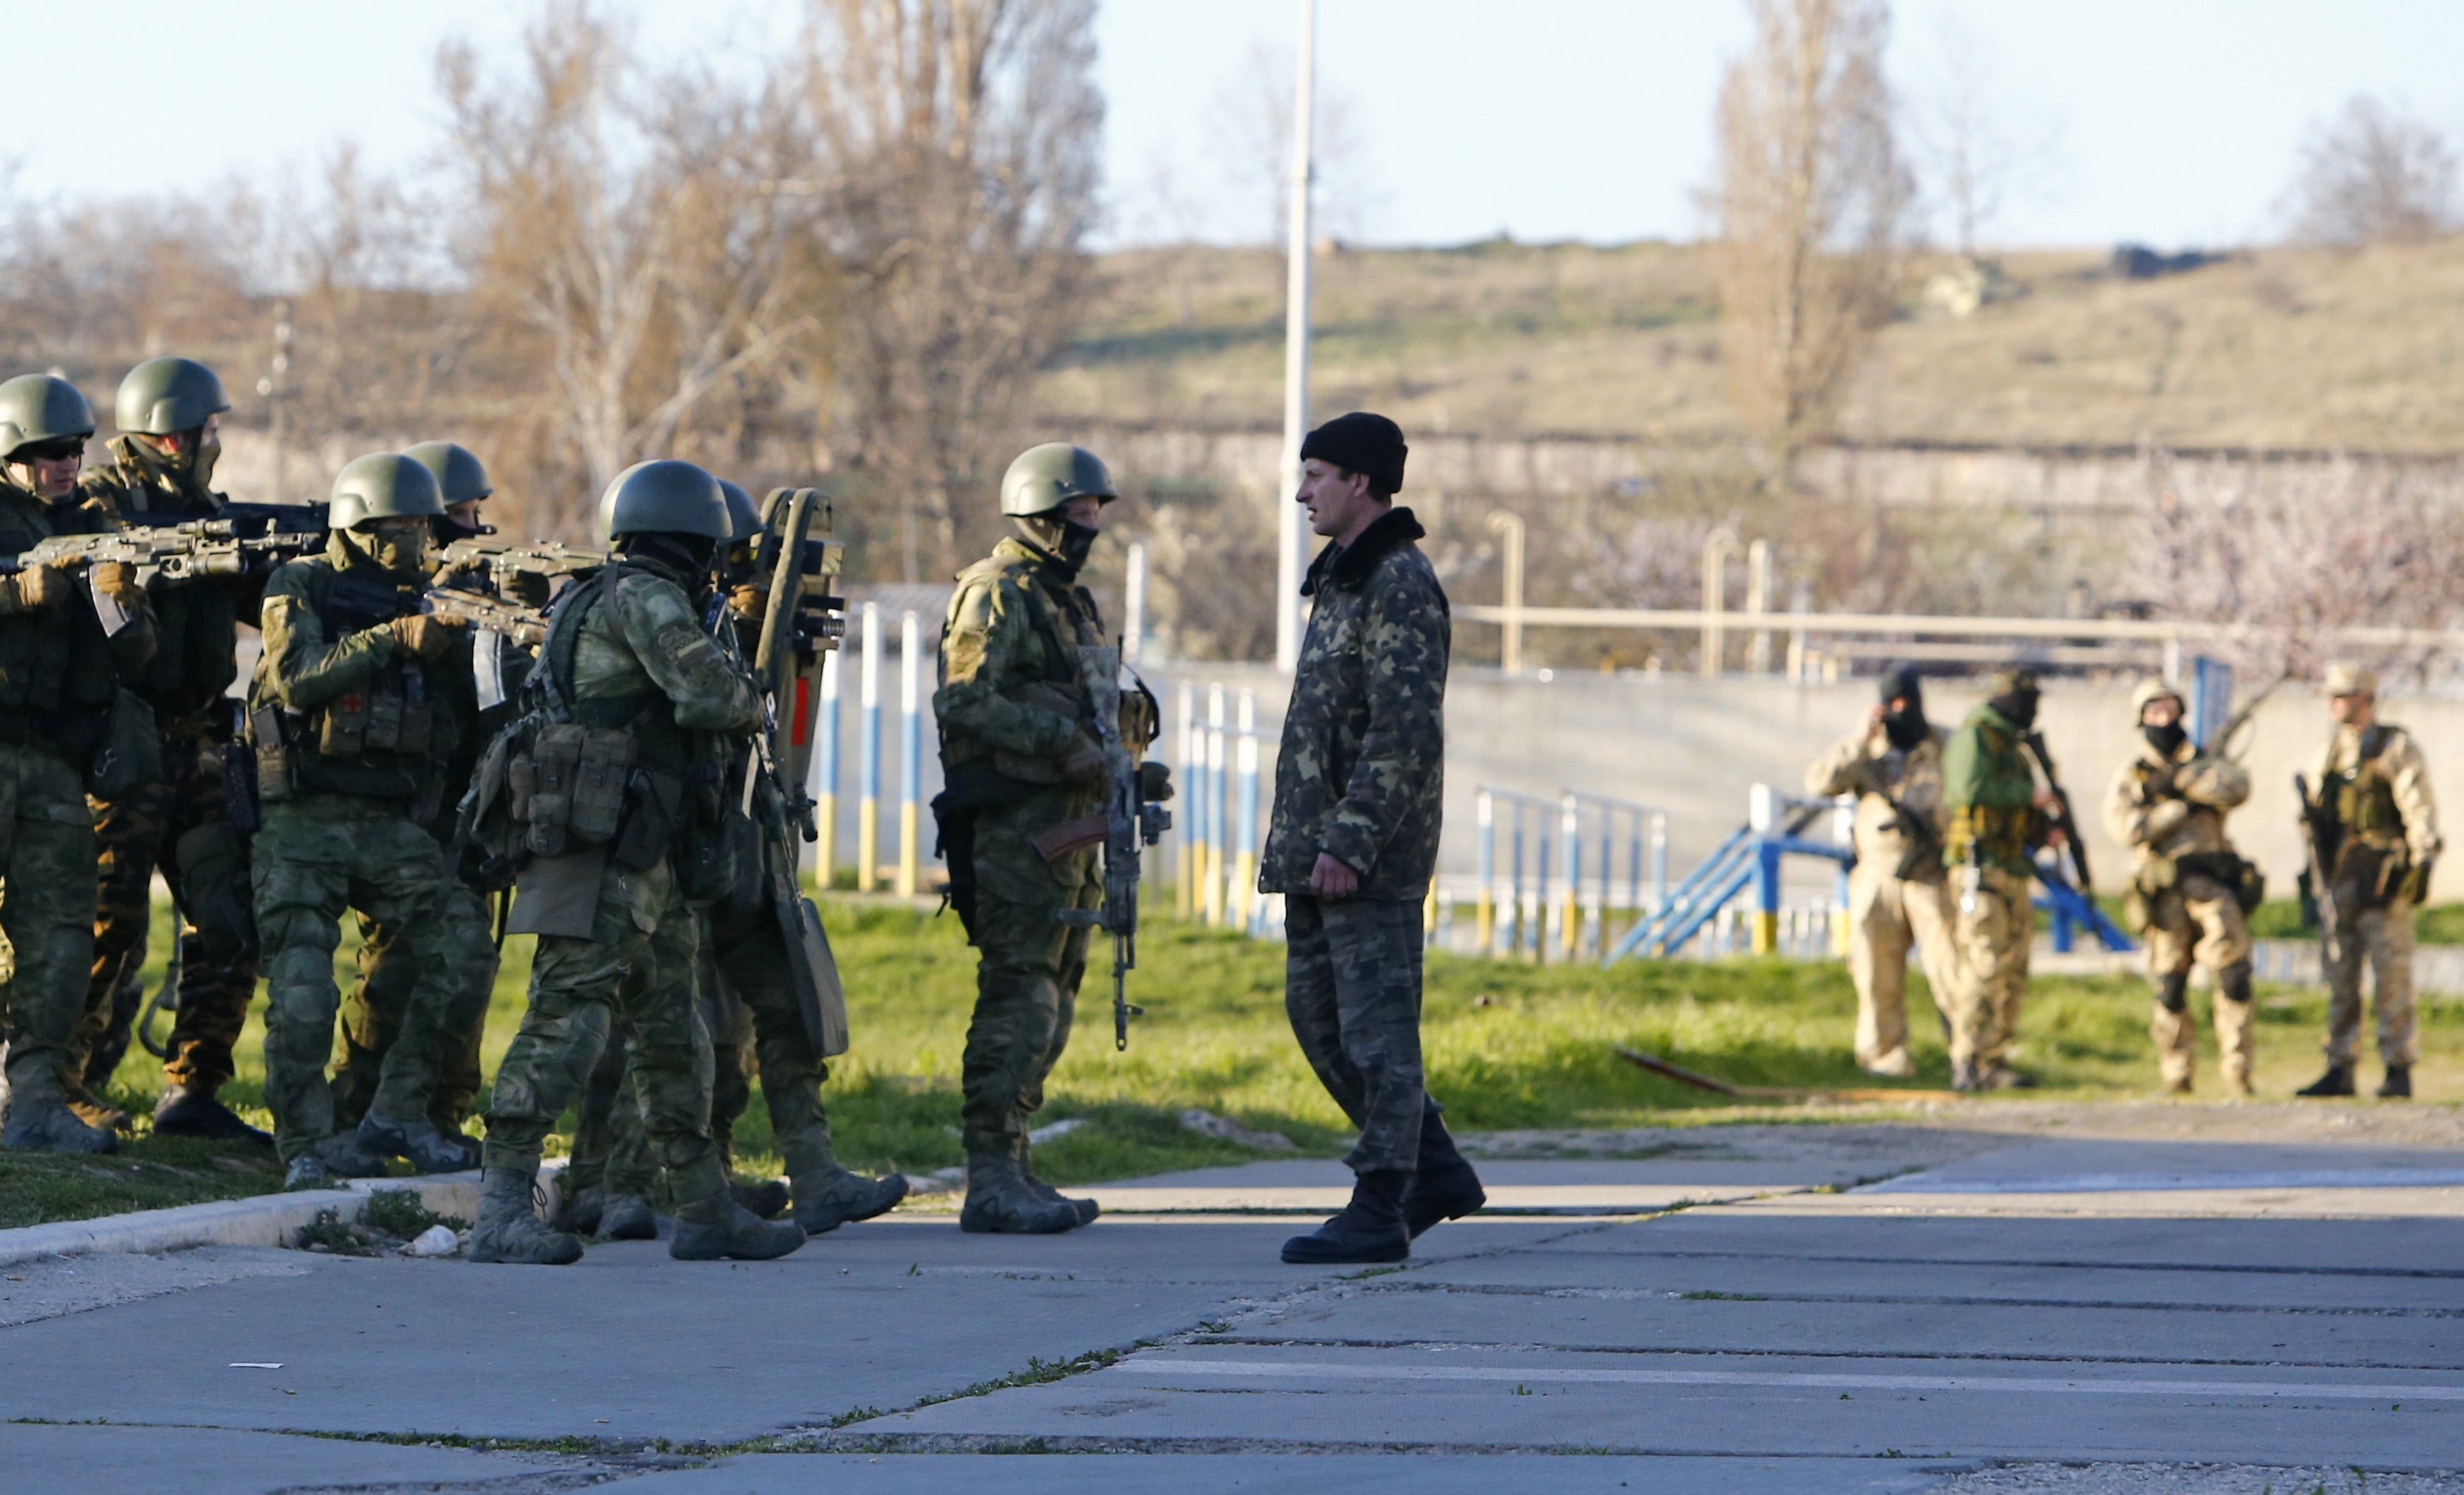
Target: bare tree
[
  {"x": 2374, "y": 175},
  {"x": 1976, "y": 150},
  {"x": 1812, "y": 201},
  {"x": 628, "y": 235},
  {"x": 2297, "y": 554},
  {"x": 1250, "y": 121},
  {"x": 962, "y": 140}
]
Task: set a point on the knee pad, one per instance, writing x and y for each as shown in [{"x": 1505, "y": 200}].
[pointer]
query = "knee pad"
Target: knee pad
[
  {"x": 2233, "y": 983},
  {"x": 2173, "y": 991}
]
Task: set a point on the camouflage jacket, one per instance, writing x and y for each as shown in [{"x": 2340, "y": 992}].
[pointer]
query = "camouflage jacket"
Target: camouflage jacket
[
  {"x": 640, "y": 646},
  {"x": 2164, "y": 807},
  {"x": 59, "y": 672},
  {"x": 196, "y": 623},
  {"x": 2376, "y": 784},
  {"x": 1010, "y": 698},
  {"x": 1361, "y": 772}
]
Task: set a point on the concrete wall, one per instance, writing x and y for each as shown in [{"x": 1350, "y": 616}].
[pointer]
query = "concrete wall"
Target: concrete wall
[{"x": 1694, "y": 747}]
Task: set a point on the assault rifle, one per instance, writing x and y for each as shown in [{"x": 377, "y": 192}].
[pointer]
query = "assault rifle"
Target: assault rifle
[
  {"x": 184, "y": 552},
  {"x": 524, "y": 625},
  {"x": 1130, "y": 821},
  {"x": 504, "y": 559},
  {"x": 2065, "y": 819},
  {"x": 2317, "y": 827}
]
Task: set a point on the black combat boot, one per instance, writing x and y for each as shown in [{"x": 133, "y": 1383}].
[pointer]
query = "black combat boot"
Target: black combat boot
[
  {"x": 1368, "y": 1229},
  {"x": 1087, "y": 1209},
  {"x": 1001, "y": 1203},
  {"x": 2337, "y": 1081},
  {"x": 1443, "y": 1187},
  {"x": 192, "y": 1110},
  {"x": 730, "y": 1232},
  {"x": 427, "y": 1149},
  {"x": 579, "y": 1210},
  {"x": 40, "y": 1122},
  {"x": 767, "y": 1199},
  {"x": 2398, "y": 1084},
  {"x": 628, "y": 1216},
  {"x": 841, "y": 1196},
  {"x": 510, "y": 1230}
]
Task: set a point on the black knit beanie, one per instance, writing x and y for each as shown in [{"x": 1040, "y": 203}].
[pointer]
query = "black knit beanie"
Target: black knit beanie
[{"x": 1361, "y": 442}]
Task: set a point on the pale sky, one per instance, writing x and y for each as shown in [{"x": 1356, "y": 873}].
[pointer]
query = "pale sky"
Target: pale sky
[{"x": 2172, "y": 122}]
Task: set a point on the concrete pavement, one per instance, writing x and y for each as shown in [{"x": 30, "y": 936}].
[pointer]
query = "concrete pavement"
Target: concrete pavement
[{"x": 2006, "y": 1298}]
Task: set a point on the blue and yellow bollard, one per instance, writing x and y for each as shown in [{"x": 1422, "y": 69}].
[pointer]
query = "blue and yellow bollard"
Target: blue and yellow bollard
[{"x": 868, "y": 749}]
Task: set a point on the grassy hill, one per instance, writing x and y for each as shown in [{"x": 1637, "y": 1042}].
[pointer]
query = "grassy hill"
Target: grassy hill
[{"x": 2273, "y": 347}]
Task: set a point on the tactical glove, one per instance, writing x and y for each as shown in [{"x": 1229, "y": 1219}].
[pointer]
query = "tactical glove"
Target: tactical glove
[
  {"x": 2416, "y": 887},
  {"x": 1081, "y": 762},
  {"x": 749, "y": 603},
  {"x": 424, "y": 635},
  {"x": 38, "y": 587},
  {"x": 117, "y": 580},
  {"x": 526, "y": 587}
]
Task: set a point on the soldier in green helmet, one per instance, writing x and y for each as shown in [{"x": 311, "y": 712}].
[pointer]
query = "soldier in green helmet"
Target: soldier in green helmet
[
  {"x": 613, "y": 778},
  {"x": 1995, "y": 818},
  {"x": 60, "y": 669},
  {"x": 160, "y": 472},
  {"x": 749, "y": 1005},
  {"x": 1019, "y": 757},
  {"x": 358, "y": 700},
  {"x": 373, "y": 1014}
]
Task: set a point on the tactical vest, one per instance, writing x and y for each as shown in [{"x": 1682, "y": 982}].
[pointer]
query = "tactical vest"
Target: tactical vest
[
  {"x": 196, "y": 623},
  {"x": 381, "y": 739},
  {"x": 614, "y": 771},
  {"x": 1064, "y": 619},
  {"x": 2362, "y": 800},
  {"x": 57, "y": 677}
]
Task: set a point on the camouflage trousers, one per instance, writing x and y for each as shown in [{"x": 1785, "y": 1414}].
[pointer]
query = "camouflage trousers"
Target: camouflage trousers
[
  {"x": 316, "y": 857},
  {"x": 611, "y": 1146},
  {"x": 182, "y": 827},
  {"x": 1028, "y": 965},
  {"x": 2197, "y": 923},
  {"x": 1352, "y": 988},
  {"x": 1887, "y": 914},
  {"x": 373, "y": 1014},
  {"x": 1992, "y": 931},
  {"x": 634, "y": 974},
  {"x": 2382, "y": 938},
  {"x": 45, "y": 914}
]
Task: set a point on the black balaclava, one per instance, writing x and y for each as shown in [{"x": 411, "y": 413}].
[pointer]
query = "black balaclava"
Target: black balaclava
[
  {"x": 2166, "y": 740},
  {"x": 1061, "y": 537},
  {"x": 686, "y": 556},
  {"x": 2017, "y": 707},
  {"x": 1908, "y": 727}
]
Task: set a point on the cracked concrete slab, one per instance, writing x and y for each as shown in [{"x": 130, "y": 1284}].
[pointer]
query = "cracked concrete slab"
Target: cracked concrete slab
[{"x": 207, "y": 1460}]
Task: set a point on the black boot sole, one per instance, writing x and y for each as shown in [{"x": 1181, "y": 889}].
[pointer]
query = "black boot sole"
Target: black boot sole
[{"x": 1298, "y": 1253}]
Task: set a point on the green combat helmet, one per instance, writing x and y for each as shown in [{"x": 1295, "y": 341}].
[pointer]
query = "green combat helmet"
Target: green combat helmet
[
  {"x": 382, "y": 485},
  {"x": 1043, "y": 478},
  {"x": 664, "y": 498},
  {"x": 38, "y": 408},
  {"x": 460, "y": 476},
  {"x": 164, "y": 395}
]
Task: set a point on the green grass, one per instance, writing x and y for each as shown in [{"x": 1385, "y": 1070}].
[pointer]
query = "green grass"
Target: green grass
[{"x": 1508, "y": 1046}]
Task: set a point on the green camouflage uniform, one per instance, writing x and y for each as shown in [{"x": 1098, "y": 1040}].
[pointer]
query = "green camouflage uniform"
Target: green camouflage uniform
[
  {"x": 58, "y": 675},
  {"x": 1361, "y": 777},
  {"x": 1989, "y": 798},
  {"x": 179, "y": 825},
  {"x": 1010, "y": 702},
  {"x": 363, "y": 724},
  {"x": 373, "y": 1015},
  {"x": 640, "y": 659}
]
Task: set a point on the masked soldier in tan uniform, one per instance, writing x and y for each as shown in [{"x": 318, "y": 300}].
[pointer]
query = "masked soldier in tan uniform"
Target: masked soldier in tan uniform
[
  {"x": 1899, "y": 891},
  {"x": 2189, "y": 890},
  {"x": 2377, "y": 830}
]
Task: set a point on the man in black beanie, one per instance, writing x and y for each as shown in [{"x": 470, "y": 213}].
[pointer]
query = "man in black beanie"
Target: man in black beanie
[
  {"x": 1898, "y": 893},
  {"x": 1354, "y": 839}
]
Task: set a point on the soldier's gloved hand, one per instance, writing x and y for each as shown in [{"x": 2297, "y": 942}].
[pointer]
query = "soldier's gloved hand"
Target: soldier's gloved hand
[
  {"x": 117, "y": 580},
  {"x": 526, "y": 587},
  {"x": 2416, "y": 887},
  {"x": 423, "y": 634},
  {"x": 37, "y": 587},
  {"x": 1081, "y": 762},
  {"x": 749, "y": 602},
  {"x": 1155, "y": 782}
]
